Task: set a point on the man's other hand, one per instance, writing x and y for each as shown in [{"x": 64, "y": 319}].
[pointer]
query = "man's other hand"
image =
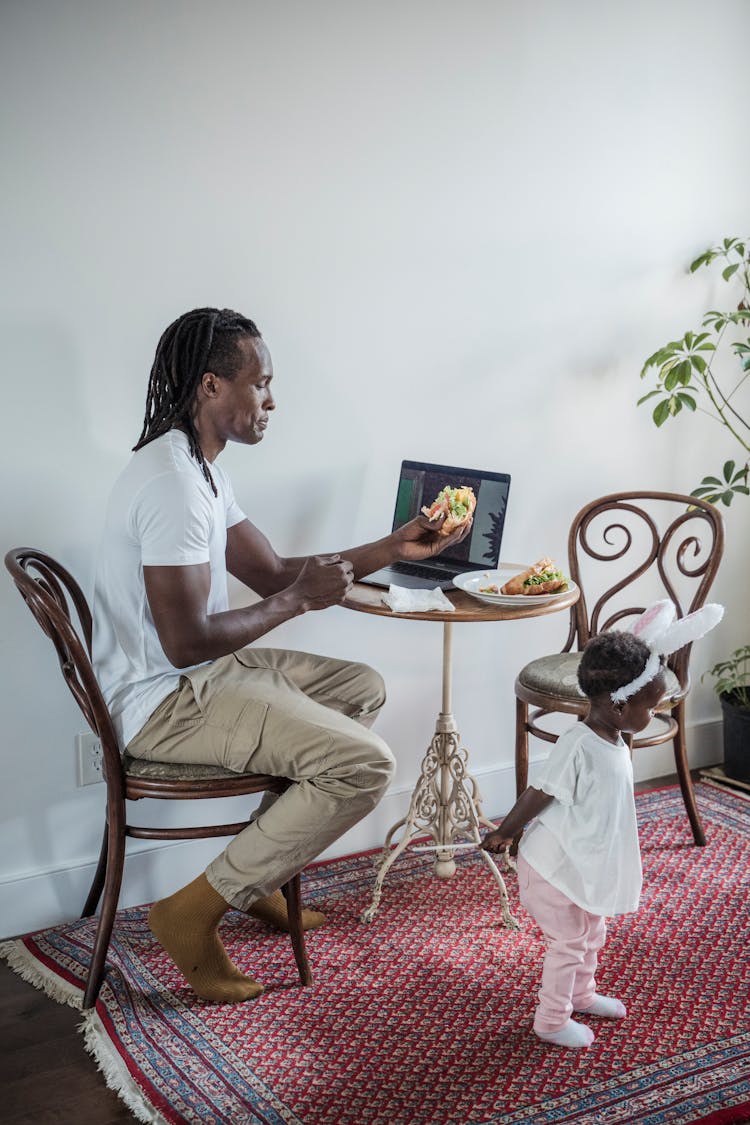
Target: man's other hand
[{"x": 324, "y": 580}]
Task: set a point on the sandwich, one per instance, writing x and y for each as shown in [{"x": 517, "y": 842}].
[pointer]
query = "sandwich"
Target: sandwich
[
  {"x": 541, "y": 578},
  {"x": 457, "y": 504}
]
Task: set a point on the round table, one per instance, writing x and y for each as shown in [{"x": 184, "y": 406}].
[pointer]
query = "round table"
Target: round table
[{"x": 446, "y": 803}]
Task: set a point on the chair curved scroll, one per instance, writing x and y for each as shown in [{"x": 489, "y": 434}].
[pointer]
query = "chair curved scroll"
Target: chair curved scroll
[{"x": 624, "y": 552}]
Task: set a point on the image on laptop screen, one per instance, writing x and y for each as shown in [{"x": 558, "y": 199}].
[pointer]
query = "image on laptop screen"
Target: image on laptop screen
[{"x": 420, "y": 483}]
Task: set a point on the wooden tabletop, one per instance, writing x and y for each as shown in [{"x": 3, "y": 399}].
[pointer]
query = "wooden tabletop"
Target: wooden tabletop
[{"x": 369, "y": 599}]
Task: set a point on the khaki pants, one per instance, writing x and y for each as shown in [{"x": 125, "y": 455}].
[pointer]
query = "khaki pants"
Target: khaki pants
[{"x": 291, "y": 714}]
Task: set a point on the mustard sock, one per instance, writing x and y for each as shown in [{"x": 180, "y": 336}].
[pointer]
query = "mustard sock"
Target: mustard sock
[
  {"x": 272, "y": 909},
  {"x": 186, "y": 925}
]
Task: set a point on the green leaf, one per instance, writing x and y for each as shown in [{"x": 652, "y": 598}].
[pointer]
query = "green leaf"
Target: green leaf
[
  {"x": 686, "y": 400},
  {"x": 702, "y": 260},
  {"x": 743, "y": 489},
  {"x": 706, "y": 494},
  {"x": 685, "y": 372},
  {"x": 648, "y": 396},
  {"x": 727, "y": 273},
  {"x": 698, "y": 363},
  {"x": 712, "y": 480},
  {"x": 728, "y": 470},
  {"x": 672, "y": 378},
  {"x": 727, "y": 497},
  {"x": 661, "y": 413}
]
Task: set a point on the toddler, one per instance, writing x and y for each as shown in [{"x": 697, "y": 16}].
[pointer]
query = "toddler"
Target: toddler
[{"x": 579, "y": 862}]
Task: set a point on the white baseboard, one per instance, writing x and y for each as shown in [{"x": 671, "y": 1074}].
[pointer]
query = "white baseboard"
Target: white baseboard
[{"x": 35, "y": 899}]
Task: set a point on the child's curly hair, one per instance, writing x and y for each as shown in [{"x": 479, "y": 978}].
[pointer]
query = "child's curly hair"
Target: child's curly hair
[{"x": 609, "y": 661}]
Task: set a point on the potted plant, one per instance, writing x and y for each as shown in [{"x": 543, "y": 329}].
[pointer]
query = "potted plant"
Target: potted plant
[
  {"x": 708, "y": 370},
  {"x": 732, "y": 686}
]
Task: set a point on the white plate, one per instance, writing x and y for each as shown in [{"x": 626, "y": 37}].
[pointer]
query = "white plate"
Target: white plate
[{"x": 473, "y": 580}]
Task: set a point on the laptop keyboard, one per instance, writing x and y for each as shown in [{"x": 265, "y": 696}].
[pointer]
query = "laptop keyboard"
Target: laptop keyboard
[{"x": 422, "y": 571}]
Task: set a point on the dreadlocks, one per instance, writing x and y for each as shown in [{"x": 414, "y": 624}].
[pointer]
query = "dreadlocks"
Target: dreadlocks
[{"x": 199, "y": 341}]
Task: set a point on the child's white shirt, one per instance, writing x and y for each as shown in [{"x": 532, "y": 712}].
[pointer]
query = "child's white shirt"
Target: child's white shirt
[{"x": 585, "y": 842}]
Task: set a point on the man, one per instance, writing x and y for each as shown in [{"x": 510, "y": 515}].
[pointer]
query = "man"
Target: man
[{"x": 179, "y": 669}]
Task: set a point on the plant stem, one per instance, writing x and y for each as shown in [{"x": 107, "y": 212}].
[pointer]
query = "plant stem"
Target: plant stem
[{"x": 708, "y": 379}]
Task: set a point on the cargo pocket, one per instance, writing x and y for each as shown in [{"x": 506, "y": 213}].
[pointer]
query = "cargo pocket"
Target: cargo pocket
[
  {"x": 245, "y": 737},
  {"x": 231, "y": 725}
]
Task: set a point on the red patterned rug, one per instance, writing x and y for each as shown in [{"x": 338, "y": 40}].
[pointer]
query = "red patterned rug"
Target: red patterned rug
[{"x": 423, "y": 1017}]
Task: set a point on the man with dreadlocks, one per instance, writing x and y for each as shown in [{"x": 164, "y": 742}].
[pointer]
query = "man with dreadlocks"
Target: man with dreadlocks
[{"x": 179, "y": 668}]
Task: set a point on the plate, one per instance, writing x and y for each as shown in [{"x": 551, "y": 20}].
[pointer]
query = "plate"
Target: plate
[{"x": 472, "y": 581}]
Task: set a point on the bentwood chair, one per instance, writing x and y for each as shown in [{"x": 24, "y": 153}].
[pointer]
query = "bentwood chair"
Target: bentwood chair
[
  {"x": 642, "y": 546},
  {"x": 49, "y": 590}
]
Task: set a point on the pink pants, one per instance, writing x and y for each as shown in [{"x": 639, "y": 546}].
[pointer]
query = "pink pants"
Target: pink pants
[{"x": 573, "y": 938}]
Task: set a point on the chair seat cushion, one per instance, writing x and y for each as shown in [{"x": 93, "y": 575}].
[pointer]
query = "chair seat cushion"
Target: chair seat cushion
[
  {"x": 178, "y": 771},
  {"x": 557, "y": 675}
]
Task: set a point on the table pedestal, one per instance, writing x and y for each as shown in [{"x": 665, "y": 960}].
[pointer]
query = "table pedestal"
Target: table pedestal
[{"x": 445, "y": 804}]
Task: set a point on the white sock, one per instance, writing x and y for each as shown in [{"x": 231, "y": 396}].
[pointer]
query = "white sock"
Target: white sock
[
  {"x": 571, "y": 1034},
  {"x": 606, "y": 1006}
]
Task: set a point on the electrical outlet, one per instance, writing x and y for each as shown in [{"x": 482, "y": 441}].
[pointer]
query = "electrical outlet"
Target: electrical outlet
[{"x": 89, "y": 750}]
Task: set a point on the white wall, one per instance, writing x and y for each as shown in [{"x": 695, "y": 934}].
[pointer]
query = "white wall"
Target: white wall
[{"x": 461, "y": 228}]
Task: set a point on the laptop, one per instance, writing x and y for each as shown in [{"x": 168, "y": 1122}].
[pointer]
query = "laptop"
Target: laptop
[{"x": 418, "y": 484}]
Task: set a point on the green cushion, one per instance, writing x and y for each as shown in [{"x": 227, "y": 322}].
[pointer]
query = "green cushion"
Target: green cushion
[
  {"x": 557, "y": 675},
  {"x": 167, "y": 771},
  {"x": 553, "y": 675}
]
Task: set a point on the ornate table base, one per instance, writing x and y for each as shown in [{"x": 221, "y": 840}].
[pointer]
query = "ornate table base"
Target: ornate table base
[{"x": 445, "y": 804}]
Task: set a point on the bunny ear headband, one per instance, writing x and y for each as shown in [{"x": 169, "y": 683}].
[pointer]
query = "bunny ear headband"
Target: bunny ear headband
[{"x": 658, "y": 629}]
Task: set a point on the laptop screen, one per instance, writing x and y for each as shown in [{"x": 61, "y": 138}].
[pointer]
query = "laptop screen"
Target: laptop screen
[{"x": 419, "y": 484}]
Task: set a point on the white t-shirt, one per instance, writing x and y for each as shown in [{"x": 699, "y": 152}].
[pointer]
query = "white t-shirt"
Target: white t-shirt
[
  {"x": 585, "y": 843},
  {"x": 162, "y": 512}
]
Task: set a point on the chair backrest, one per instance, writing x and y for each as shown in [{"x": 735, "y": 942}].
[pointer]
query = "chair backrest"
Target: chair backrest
[
  {"x": 626, "y": 551},
  {"x": 49, "y": 591}
]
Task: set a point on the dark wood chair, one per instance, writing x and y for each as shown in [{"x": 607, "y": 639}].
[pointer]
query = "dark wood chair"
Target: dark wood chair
[
  {"x": 49, "y": 591},
  {"x": 654, "y": 545}
]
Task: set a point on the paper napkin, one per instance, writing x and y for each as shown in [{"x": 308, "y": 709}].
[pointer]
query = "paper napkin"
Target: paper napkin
[{"x": 401, "y": 599}]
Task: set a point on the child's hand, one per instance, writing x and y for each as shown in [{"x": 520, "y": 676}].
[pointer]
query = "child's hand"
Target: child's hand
[{"x": 496, "y": 842}]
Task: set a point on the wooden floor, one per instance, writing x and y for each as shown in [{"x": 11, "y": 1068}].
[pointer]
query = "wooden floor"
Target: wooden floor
[{"x": 46, "y": 1076}]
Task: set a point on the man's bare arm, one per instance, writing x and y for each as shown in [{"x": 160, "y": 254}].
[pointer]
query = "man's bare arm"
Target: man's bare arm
[
  {"x": 413, "y": 542},
  {"x": 252, "y": 559},
  {"x": 178, "y": 599}
]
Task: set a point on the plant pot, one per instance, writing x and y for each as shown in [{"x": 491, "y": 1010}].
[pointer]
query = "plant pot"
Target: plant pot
[{"x": 736, "y": 739}]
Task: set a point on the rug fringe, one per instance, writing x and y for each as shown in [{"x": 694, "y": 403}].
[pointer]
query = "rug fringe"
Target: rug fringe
[
  {"x": 116, "y": 1074},
  {"x": 30, "y": 969}
]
